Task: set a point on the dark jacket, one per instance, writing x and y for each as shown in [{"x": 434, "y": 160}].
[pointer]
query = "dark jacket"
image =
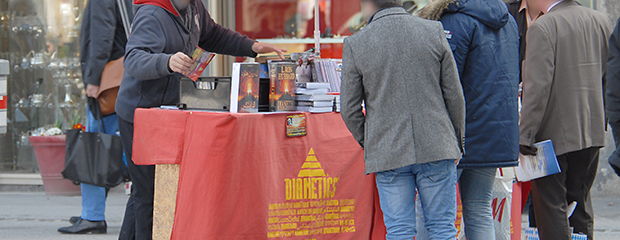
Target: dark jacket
[
  {"x": 612, "y": 94},
  {"x": 484, "y": 39},
  {"x": 158, "y": 33},
  {"x": 102, "y": 38},
  {"x": 521, "y": 18}
]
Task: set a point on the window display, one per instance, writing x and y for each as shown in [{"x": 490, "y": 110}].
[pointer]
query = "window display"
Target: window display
[
  {"x": 45, "y": 89},
  {"x": 291, "y": 22}
]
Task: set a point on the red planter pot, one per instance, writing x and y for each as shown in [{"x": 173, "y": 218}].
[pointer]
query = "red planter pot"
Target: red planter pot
[{"x": 50, "y": 153}]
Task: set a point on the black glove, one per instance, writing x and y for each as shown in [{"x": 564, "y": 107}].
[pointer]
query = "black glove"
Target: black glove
[{"x": 527, "y": 150}]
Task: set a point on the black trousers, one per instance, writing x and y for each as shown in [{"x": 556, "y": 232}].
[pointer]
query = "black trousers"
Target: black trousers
[
  {"x": 551, "y": 196},
  {"x": 138, "y": 221}
]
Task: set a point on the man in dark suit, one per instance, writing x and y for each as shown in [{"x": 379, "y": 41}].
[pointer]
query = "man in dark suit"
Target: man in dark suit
[{"x": 524, "y": 15}]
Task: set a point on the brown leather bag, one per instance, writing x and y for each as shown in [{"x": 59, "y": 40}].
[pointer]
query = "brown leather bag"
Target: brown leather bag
[
  {"x": 108, "y": 87},
  {"x": 112, "y": 75}
]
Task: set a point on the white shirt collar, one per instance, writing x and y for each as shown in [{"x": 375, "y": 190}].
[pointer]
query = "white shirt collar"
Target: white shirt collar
[{"x": 555, "y": 4}]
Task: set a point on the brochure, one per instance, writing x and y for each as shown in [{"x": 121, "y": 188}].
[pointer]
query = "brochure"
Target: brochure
[{"x": 202, "y": 59}]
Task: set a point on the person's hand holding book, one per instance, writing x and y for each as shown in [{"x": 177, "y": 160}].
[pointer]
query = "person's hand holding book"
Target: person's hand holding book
[{"x": 527, "y": 150}]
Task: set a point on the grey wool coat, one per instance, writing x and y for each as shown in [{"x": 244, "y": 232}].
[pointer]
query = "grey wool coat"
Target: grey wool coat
[
  {"x": 563, "y": 78},
  {"x": 403, "y": 69}
]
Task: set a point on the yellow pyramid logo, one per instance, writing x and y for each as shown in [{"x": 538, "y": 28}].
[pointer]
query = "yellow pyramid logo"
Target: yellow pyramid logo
[{"x": 311, "y": 167}]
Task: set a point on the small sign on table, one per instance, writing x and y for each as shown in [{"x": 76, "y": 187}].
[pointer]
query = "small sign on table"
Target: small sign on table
[{"x": 296, "y": 125}]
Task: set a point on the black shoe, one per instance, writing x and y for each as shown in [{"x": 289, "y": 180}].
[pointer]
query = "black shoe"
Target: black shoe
[
  {"x": 85, "y": 227},
  {"x": 73, "y": 220}
]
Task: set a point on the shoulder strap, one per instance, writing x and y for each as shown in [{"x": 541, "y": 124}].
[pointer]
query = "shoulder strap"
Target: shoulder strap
[{"x": 124, "y": 16}]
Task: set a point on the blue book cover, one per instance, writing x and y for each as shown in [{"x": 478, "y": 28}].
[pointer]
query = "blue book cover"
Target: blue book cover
[
  {"x": 545, "y": 163},
  {"x": 264, "y": 71}
]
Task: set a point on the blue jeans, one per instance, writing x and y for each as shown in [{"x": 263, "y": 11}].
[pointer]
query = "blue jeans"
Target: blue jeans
[
  {"x": 436, "y": 184},
  {"x": 93, "y": 197},
  {"x": 476, "y": 187}
]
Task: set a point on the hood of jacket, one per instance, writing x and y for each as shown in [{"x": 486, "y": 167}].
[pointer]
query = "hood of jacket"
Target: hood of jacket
[
  {"x": 492, "y": 13},
  {"x": 165, "y": 4}
]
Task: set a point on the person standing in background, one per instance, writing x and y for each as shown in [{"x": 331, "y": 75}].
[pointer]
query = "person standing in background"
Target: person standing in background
[
  {"x": 563, "y": 80},
  {"x": 102, "y": 40},
  {"x": 414, "y": 124},
  {"x": 165, "y": 33},
  {"x": 484, "y": 39},
  {"x": 524, "y": 14},
  {"x": 612, "y": 93}
]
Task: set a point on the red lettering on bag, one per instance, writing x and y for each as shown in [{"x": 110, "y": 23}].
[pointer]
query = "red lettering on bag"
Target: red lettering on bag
[{"x": 498, "y": 211}]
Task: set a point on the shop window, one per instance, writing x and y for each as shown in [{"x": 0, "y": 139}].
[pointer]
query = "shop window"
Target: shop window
[{"x": 45, "y": 89}]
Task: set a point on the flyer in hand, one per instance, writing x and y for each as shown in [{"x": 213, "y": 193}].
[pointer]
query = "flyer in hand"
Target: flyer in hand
[
  {"x": 202, "y": 59},
  {"x": 545, "y": 163}
]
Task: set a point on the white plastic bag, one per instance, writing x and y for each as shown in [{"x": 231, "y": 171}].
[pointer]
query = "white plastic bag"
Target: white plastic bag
[{"x": 502, "y": 204}]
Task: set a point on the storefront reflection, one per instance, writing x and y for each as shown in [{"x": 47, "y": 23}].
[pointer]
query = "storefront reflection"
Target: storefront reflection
[{"x": 39, "y": 38}]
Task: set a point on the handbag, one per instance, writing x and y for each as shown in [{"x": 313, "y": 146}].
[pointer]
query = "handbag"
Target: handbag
[
  {"x": 110, "y": 83},
  {"x": 112, "y": 75},
  {"x": 94, "y": 158}
]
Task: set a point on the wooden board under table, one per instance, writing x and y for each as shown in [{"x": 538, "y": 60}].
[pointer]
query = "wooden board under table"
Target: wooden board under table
[{"x": 166, "y": 185}]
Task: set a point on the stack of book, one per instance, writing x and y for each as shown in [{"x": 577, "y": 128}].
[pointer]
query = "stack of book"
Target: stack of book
[
  {"x": 337, "y": 103},
  {"x": 313, "y": 97},
  {"x": 328, "y": 71}
]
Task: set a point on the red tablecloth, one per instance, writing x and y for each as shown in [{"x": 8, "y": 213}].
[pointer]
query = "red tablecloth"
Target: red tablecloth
[{"x": 242, "y": 178}]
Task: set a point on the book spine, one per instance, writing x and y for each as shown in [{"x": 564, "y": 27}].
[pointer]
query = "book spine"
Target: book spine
[
  {"x": 305, "y": 104},
  {"x": 234, "y": 88},
  {"x": 272, "y": 88},
  {"x": 255, "y": 87}
]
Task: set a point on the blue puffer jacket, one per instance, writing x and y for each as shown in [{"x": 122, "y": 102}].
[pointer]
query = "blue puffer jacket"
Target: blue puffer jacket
[{"x": 485, "y": 42}]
